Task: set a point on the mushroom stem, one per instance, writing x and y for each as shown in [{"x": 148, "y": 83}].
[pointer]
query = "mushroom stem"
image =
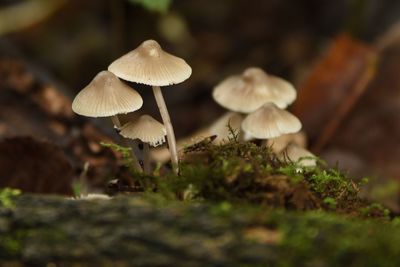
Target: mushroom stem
[
  {"x": 146, "y": 158},
  {"x": 168, "y": 126},
  {"x": 135, "y": 162},
  {"x": 116, "y": 122}
]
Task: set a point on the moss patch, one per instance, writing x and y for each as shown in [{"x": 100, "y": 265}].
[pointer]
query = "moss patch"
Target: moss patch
[{"x": 239, "y": 172}]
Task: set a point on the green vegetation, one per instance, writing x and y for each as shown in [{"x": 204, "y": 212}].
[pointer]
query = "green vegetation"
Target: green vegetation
[
  {"x": 125, "y": 153},
  {"x": 246, "y": 173},
  {"x": 7, "y": 196}
]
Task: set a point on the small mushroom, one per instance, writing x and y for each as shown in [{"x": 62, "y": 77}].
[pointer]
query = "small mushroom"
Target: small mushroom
[
  {"x": 247, "y": 92},
  {"x": 149, "y": 64},
  {"x": 278, "y": 144},
  {"x": 299, "y": 154},
  {"x": 107, "y": 96},
  {"x": 149, "y": 131},
  {"x": 221, "y": 129},
  {"x": 162, "y": 154},
  {"x": 269, "y": 121}
]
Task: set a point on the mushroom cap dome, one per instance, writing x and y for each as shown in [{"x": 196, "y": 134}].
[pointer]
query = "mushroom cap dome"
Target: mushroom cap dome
[
  {"x": 106, "y": 96},
  {"x": 249, "y": 91},
  {"x": 149, "y": 64},
  {"x": 270, "y": 121},
  {"x": 146, "y": 129}
]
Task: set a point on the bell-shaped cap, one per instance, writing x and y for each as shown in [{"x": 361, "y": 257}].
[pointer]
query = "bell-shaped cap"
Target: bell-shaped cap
[
  {"x": 269, "y": 121},
  {"x": 247, "y": 92},
  {"x": 149, "y": 64},
  {"x": 220, "y": 126},
  {"x": 106, "y": 96},
  {"x": 299, "y": 154},
  {"x": 146, "y": 129}
]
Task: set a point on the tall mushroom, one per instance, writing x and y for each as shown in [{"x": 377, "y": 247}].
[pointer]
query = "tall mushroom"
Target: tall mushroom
[
  {"x": 107, "y": 96},
  {"x": 149, "y": 131},
  {"x": 149, "y": 64},
  {"x": 270, "y": 121}
]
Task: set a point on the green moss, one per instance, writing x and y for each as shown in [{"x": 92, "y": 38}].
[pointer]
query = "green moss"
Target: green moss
[
  {"x": 11, "y": 244},
  {"x": 7, "y": 196},
  {"x": 375, "y": 210},
  {"x": 243, "y": 172},
  {"x": 125, "y": 153},
  {"x": 330, "y": 202}
]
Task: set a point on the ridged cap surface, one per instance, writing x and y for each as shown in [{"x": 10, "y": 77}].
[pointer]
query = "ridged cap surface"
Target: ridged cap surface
[
  {"x": 270, "y": 121},
  {"x": 149, "y": 64},
  {"x": 146, "y": 129},
  {"x": 106, "y": 96},
  {"x": 247, "y": 92}
]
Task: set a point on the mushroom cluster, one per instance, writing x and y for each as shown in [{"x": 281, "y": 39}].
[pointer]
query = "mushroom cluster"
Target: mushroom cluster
[
  {"x": 260, "y": 99},
  {"x": 108, "y": 96},
  {"x": 256, "y": 102}
]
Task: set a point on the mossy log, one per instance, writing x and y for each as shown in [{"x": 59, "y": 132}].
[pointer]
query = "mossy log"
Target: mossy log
[{"x": 130, "y": 231}]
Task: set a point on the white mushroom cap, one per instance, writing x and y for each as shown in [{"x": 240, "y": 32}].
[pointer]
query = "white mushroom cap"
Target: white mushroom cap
[
  {"x": 278, "y": 144},
  {"x": 301, "y": 155},
  {"x": 283, "y": 92},
  {"x": 220, "y": 126},
  {"x": 146, "y": 129},
  {"x": 149, "y": 64},
  {"x": 106, "y": 96},
  {"x": 247, "y": 92},
  {"x": 269, "y": 121}
]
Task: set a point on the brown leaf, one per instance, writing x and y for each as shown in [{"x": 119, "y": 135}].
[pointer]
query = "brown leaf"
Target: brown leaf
[{"x": 333, "y": 87}]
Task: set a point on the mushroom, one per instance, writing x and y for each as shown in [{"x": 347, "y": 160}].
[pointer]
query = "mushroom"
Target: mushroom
[
  {"x": 220, "y": 126},
  {"x": 278, "y": 144},
  {"x": 299, "y": 154},
  {"x": 247, "y": 92},
  {"x": 149, "y": 131},
  {"x": 162, "y": 154},
  {"x": 269, "y": 121},
  {"x": 107, "y": 96},
  {"x": 149, "y": 64}
]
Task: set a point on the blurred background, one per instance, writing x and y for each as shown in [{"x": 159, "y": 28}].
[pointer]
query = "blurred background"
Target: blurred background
[{"x": 343, "y": 57}]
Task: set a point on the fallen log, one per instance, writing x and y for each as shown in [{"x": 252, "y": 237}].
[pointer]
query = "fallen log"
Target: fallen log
[{"x": 131, "y": 231}]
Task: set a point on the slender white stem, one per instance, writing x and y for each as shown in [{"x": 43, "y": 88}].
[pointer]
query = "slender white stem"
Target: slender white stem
[
  {"x": 135, "y": 162},
  {"x": 168, "y": 126},
  {"x": 146, "y": 158},
  {"x": 116, "y": 122}
]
